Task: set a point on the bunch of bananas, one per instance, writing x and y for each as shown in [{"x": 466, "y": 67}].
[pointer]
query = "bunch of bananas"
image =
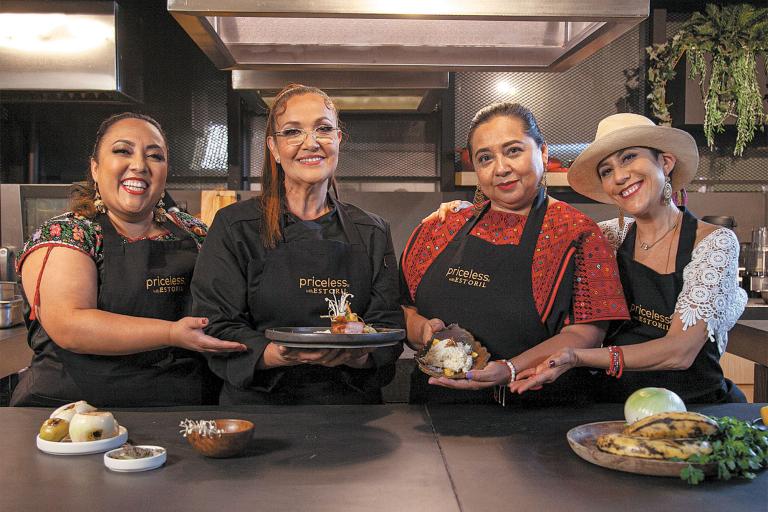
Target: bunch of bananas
[{"x": 662, "y": 436}]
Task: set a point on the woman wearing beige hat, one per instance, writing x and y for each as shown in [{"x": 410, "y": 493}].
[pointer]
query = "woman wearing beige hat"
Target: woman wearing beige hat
[{"x": 679, "y": 274}]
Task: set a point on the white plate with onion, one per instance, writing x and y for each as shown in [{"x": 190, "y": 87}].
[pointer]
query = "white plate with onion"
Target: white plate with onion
[{"x": 83, "y": 447}]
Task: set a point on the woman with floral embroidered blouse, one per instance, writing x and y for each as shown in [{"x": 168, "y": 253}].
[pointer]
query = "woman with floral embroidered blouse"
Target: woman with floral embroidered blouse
[
  {"x": 109, "y": 286},
  {"x": 679, "y": 274},
  {"x": 524, "y": 273}
]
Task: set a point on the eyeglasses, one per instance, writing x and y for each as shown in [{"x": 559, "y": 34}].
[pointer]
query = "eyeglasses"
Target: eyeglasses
[{"x": 323, "y": 134}]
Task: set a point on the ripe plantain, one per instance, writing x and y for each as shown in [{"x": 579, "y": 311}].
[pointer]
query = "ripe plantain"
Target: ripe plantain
[
  {"x": 620, "y": 444},
  {"x": 672, "y": 425}
]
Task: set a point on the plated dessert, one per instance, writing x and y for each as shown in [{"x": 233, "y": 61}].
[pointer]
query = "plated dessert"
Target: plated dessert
[
  {"x": 343, "y": 320},
  {"x": 452, "y": 353}
]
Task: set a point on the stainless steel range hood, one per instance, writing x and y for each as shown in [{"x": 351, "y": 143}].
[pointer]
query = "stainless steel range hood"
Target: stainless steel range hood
[
  {"x": 361, "y": 90},
  {"x": 404, "y": 35},
  {"x": 69, "y": 51}
]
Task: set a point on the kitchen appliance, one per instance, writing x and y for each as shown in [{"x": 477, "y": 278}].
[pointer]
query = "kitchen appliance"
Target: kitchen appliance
[
  {"x": 11, "y": 312},
  {"x": 372, "y": 55},
  {"x": 7, "y": 264},
  {"x": 54, "y": 50},
  {"x": 8, "y": 290},
  {"x": 756, "y": 262}
]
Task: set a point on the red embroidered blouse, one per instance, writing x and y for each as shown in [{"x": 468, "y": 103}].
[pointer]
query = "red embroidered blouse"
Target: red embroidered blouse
[{"x": 566, "y": 235}]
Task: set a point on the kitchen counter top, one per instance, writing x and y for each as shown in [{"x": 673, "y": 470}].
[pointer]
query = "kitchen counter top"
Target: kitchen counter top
[{"x": 372, "y": 458}]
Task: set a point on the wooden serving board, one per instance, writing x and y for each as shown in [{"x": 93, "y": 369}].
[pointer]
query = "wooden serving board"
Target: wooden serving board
[{"x": 583, "y": 441}]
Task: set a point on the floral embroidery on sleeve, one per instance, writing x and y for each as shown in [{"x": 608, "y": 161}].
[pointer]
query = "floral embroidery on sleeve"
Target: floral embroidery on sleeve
[
  {"x": 67, "y": 230},
  {"x": 190, "y": 224},
  {"x": 710, "y": 287}
]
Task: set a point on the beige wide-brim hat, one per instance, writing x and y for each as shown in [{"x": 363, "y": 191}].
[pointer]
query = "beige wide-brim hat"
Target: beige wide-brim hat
[{"x": 621, "y": 131}]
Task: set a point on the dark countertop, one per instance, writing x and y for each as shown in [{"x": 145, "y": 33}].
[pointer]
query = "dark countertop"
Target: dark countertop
[{"x": 339, "y": 458}]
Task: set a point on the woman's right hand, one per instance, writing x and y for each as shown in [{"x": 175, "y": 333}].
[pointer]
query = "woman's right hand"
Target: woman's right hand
[
  {"x": 546, "y": 372},
  {"x": 188, "y": 333},
  {"x": 444, "y": 208}
]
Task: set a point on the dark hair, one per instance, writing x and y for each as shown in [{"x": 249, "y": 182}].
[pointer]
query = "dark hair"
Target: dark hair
[
  {"x": 509, "y": 109},
  {"x": 273, "y": 175},
  {"x": 82, "y": 194}
]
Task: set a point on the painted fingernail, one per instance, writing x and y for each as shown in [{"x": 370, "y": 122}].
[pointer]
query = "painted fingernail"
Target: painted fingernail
[
  {"x": 469, "y": 375},
  {"x": 551, "y": 363}
]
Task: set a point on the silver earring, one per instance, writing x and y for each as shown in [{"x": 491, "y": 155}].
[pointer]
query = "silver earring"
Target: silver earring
[
  {"x": 160, "y": 213},
  {"x": 543, "y": 183},
  {"x": 667, "y": 191},
  {"x": 98, "y": 204}
]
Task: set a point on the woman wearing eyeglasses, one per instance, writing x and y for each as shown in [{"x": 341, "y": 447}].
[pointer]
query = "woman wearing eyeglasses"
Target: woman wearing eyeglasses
[{"x": 271, "y": 262}]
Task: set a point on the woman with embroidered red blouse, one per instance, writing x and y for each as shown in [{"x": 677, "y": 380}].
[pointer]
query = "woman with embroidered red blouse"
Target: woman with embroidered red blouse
[{"x": 548, "y": 278}]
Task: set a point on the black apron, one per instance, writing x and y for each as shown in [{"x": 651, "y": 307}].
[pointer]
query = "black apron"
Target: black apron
[
  {"x": 487, "y": 289},
  {"x": 146, "y": 278},
  {"x": 651, "y": 298},
  {"x": 288, "y": 289}
]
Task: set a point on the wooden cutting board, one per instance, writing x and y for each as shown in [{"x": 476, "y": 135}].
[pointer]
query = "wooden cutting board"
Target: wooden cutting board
[{"x": 211, "y": 201}]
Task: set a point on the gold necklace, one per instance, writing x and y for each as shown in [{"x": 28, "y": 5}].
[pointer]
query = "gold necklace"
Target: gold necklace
[{"x": 647, "y": 247}]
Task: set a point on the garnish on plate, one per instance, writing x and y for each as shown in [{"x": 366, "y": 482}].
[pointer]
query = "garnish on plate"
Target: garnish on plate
[
  {"x": 739, "y": 449},
  {"x": 343, "y": 320},
  {"x": 204, "y": 428}
]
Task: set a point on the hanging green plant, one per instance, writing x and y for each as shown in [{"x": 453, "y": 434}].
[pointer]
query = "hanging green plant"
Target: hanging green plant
[{"x": 734, "y": 36}]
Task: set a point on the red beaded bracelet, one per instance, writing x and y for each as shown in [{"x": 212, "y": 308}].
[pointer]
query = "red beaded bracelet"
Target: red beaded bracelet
[{"x": 616, "y": 365}]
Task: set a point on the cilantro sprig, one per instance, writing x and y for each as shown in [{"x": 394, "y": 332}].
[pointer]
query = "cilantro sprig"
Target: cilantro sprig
[{"x": 738, "y": 448}]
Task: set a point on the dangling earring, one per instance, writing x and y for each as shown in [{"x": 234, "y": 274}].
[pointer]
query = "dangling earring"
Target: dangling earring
[
  {"x": 667, "y": 191},
  {"x": 621, "y": 220},
  {"x": 479, "y": 198},
  {"x": 98, "y": 204},
  {"x": 543, "y": 182},
  {"x": 160, "y": 213}
]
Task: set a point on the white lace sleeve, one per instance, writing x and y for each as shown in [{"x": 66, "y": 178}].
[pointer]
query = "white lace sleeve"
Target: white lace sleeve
[
  {"x": 710, "y": 286},
  {"x": 613, "y": 234}
]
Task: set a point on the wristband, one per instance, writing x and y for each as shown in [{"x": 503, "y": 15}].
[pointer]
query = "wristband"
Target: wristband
[{"x": 512, "y": 370}]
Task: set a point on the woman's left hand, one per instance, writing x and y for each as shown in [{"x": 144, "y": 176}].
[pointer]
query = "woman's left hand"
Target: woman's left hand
[
  {"x": 546, "y": 372},
  {"x": 495, "y": 374}
]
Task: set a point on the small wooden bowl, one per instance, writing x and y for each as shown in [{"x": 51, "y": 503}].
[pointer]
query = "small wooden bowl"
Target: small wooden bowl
[{"x": 234, "y": 439}]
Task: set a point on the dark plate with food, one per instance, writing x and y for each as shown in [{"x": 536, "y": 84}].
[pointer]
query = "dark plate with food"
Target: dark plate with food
[
  {"x": 452, "y": 353},
  {"x": 322, "y": 337}
]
